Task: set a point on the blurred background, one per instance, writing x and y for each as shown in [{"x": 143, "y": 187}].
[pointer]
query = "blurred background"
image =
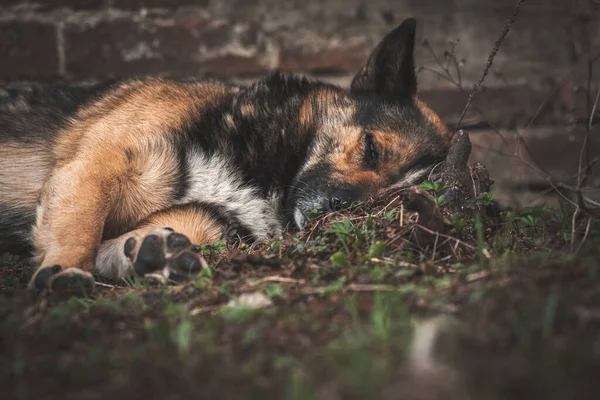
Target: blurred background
[{"x": 528, "y": 125}]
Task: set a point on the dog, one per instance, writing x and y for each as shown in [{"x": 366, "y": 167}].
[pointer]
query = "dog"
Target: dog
[{"x": 126, "y": 178}]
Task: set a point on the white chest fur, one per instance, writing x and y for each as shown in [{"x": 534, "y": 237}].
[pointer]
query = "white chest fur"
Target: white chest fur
[{"x": 215, "y": 180}]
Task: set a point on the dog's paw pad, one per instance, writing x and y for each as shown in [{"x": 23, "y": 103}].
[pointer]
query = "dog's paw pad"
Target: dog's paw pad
[
  {"x": 164, "y": 255},
  {"x": 178, "y": 241},
  {"x": 42, "y": 277},
  {"x": 188, "y": 263},
  {"x": 150, "y": 256},
  {"x": 74, "y": 281},
  {"x": 234, "y": 233},
  {"x": 129, "y": 248}
]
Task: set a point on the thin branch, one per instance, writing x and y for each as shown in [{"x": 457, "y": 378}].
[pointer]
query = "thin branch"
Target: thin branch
[
  {"x": 106, "y": 285},
  {"x": 279, "y": 279},
  {"x": 585, "y": 235},
  {"x": 490, "y": 59},
  {"x": 591, "y": 120}
]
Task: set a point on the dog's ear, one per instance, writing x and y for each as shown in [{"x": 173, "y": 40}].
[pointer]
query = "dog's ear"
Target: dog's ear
[{"x": 390, "y": 70}]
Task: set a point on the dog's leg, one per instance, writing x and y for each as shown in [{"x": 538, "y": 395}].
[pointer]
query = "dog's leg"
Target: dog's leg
[
  {"x": 165, "y": 243},
  {"x": 73, "y": 208},
  {"x": 107, "y": 188}
]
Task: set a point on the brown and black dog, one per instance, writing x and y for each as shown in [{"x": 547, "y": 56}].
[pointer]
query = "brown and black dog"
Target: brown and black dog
[{"x": 126, "y": 177}]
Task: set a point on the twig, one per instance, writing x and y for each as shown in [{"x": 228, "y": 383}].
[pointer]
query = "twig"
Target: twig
[
  {"x": 106, "y": 285},
  {"x": 279, "y": 279},
  {"x": 202, "y": 310},
  {"x": 585, "y": 235},
  {"x": 402, "y": 215},
  {"x": 490, "y": 60},
  {"x": 582, "y": 177},
  {"x": 535, "y": 165},
  {"x": 574, "y": 226},
  {"x": 437, "y": 236},
  {"x": 384, "y": 209},
  {"x": 465, "y": 244},
  {"x": 353, "y": 287},
  {"x": 593, "y": 112}
]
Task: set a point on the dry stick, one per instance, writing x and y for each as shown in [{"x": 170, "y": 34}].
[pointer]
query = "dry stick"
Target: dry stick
[
  {"x": 591, "y": 120},
  {"x": 582, "y": 177},
  {"x": 106, "y": 285},
  {"x": 448, "y": 77},
  {"x": 585, "y": 235},
  {"x": 585, "y": 148},
  {"x": 490, "y": 60},
  {"x": 279, "y": 279},
  {"x": 537, "y": 168},
  {"x": 353, "y": 287},
  {"x": 552, "y": 188},
  {"x": 465, "y": 244},
  {"x": 437, "y": 236}
]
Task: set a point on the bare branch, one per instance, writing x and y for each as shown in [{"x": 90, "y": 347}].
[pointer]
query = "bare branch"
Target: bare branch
[{"x": 490, "y": 60}]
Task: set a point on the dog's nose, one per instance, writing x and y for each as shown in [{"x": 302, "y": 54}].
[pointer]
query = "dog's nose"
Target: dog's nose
[
  {"x": 338, "y": 201},
  {"x": 335, "y": 204}
]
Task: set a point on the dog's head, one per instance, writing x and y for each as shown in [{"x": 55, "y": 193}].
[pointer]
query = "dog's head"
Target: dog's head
[{"x": 374, "y": 136}]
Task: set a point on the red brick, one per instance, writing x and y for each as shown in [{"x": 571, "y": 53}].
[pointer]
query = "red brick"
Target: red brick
[
  {"x": 53, "y": 4},
  {"x": 336, "y": 59},
  {"x": 170, "y": 4},
  {"x": 177, "y": 46},
  {"x": 28, "y": 50}
]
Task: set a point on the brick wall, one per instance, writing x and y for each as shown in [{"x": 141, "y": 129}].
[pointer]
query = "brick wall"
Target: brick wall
[
  {"x": 94, "y": 39},
  {"x": 80, "y": 39}
]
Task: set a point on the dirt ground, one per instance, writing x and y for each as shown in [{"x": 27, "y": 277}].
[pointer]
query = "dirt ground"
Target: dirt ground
[{"x": 366, "y": 304}]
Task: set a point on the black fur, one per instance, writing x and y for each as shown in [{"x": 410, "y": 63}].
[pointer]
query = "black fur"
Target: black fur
[{"x": 15, "y": 229}]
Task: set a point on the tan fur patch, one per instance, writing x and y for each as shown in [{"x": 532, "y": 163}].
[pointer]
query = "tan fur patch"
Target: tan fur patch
[
  {"x": 134, "y": 113},
  {"x": 247, "y": 110},
  {"x": 196, "y": 224},
  {"x": 319, "y": 100},
  {"x": 394, "y": 153},
  {"x": 434, "y": 120},
  {"x": 348, "y": 162},
  {"x": 23, "y": 170},
  {"x": 306, "y": 114}
]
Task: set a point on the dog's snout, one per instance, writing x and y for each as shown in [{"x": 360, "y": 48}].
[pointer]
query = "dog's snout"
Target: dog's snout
[{"x": 338, "y": 200}]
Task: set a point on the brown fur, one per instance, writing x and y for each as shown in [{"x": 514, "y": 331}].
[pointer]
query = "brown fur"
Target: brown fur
[
  {"x": 435, "y": 120},
  {"x": 26, "y": 162},
  {"x": 113, "y": 164},
  {"x": 193, "y": 222}
]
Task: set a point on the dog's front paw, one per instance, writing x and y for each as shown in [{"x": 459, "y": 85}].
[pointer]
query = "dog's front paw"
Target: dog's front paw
[
  {"x": 164, "y": 254},
  {"x": 234, "y": 234},
  {"x": 56, "y": 279}
]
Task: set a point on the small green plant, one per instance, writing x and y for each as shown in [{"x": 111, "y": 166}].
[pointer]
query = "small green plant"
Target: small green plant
[
  {"x": 440, "y": 200},
  {"x": 432, "y": 187},
  {"x": 391, "y": 214},
  {"x": 376, "y": 249},
  {"x": 274, "y": 291},
  {"x": 435, "y": 188},
  {"x": 338, "y": 259},
  {"x": 484, "y": 199},
  {"x": 204, "y": 280},
  {"x": 335, "y": 287},
  {"x": 275, "y": 245},
  {"x": 237, "y": 313},
  {"x": 344, "y": 231},
  {"x": 214, "y": 248},
  {"x": 182, "y": 336}
]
